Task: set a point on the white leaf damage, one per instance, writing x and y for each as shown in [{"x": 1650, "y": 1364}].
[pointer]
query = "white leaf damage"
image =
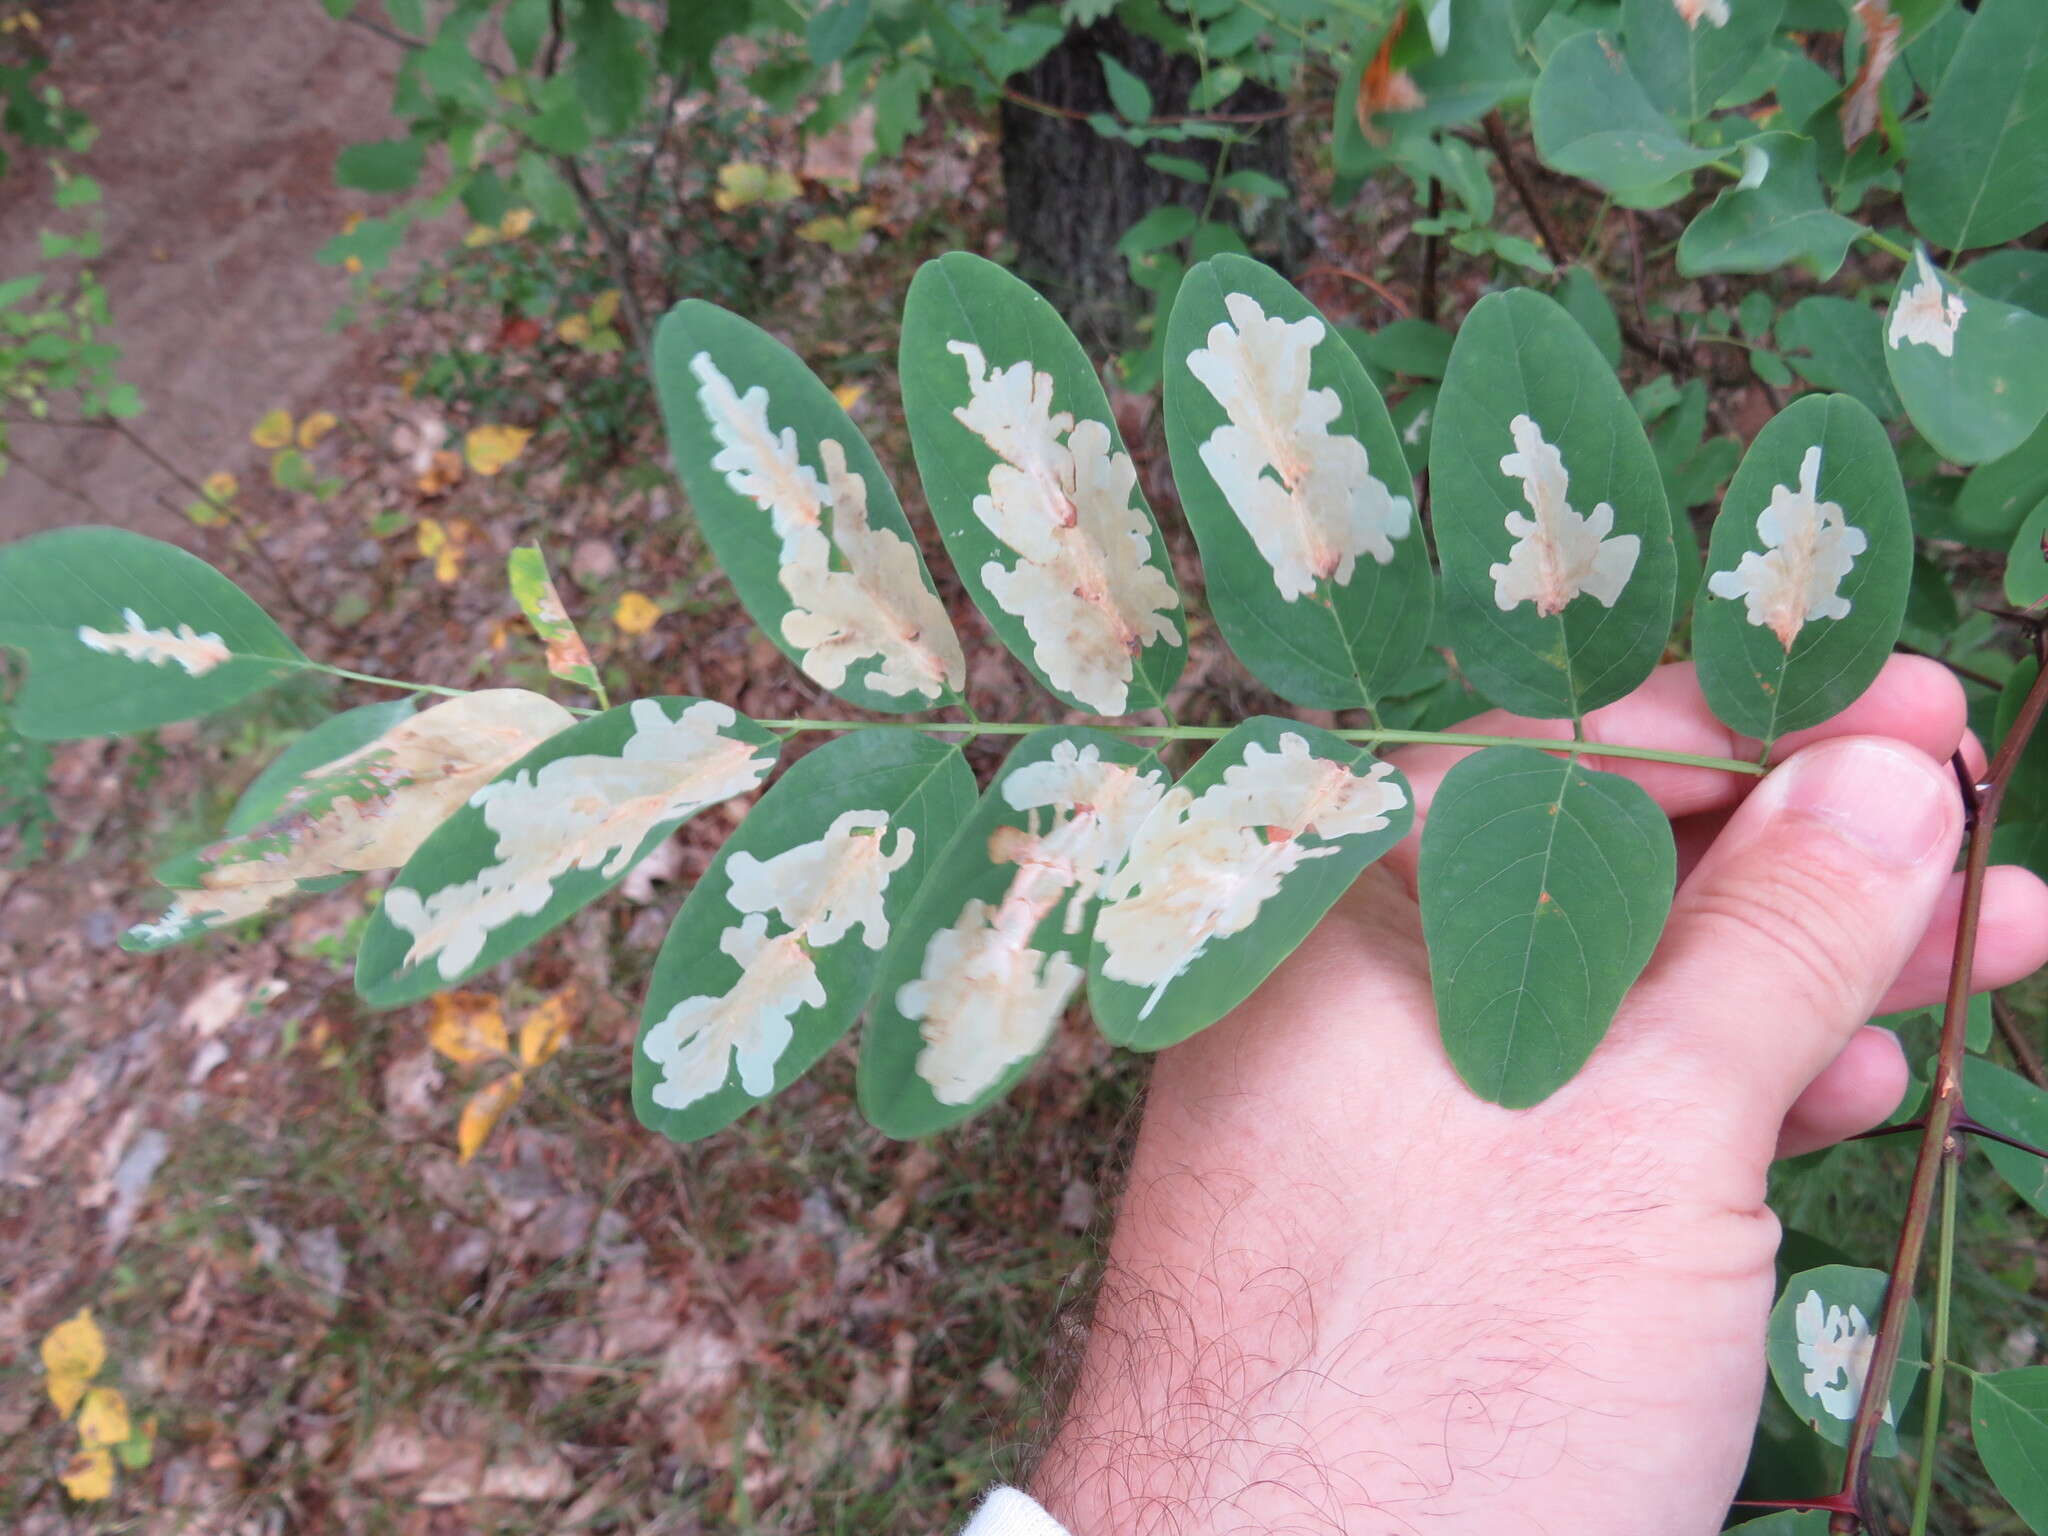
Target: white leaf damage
[
  {"x": 182, "y": 647},
  {"x": 1808, "y": 548},
  {"x": 1202, "y": 867},
  {"x": 1693, "y": 12},
  {"x": 1835, "y": 1346},
  {"x": 1307, "y": 497},
  {"x": 822, "y": 891},
  {"x": 1558, "y": 553},
  {"x": 1926, "y": 314},
  {"x": 1061, "y": 500}
]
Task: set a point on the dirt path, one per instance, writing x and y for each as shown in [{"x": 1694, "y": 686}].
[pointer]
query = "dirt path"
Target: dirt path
[{"x": 219, "y": 123}]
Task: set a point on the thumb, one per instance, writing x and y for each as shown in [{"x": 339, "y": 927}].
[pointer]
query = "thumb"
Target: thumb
[{"x": 1786, "y": 934}]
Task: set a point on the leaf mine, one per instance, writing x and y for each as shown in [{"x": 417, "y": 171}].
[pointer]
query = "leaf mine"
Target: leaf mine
[
  {"x": 1558, "y": 553},
  {"x": 1307, "y": 497},
  {"x": 197, "y": 654},
  {"x": 1808, "y": 548},
  {"x": 1926, "y": 314},
  {"x": 984, "y": 997},
  {"x": 1693, "y": 12},
  {"x": 1835, "y": 1346},
  {"x": 822, "y": 891},
  {"x": 1061, "y": 500}
]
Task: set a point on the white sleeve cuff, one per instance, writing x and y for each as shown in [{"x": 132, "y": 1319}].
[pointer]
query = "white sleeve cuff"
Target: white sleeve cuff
[{"x": 1006, "y": 1512}]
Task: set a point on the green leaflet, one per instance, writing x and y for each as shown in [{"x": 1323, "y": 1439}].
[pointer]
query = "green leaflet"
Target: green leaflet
[
  {"x": 1997, "y": 496},
  {"x": 777, "y": 948},
  {"x": 1978, "y": 173},
  {"x": 996, "y": 944},
  {"x": 2009, "y": 1427},
  {"x": 1842, "y": 342},
  {"x": 1568, "y": 609},
  {"x": 549, "y": 835},
  {"x": 2026, "y": 566},
  {"x": 526, "y": 571},
  {"x": 1544, "y": 887},
  {"x": 1033, "y": 491},
  {"x": 800, "y": 515},
  {"x": 1230, "y": 872},
  {"x": 124, "y": 632},
  {"x": 1293, "y": 479},
  {"x": 1972, "y": 371},
  {"x": 2012, "y": 1106},
  {"x": 1594, "y": 119},
  {"x": 1774, "y": 216},
  {"x": 1687, "y": 68},
  {"x": 1581, "y": 296},
  {"x": 2012, "y": 277},
  {"x": 1816, "y": 1341},
  {"x": 1807, "y": 573}
]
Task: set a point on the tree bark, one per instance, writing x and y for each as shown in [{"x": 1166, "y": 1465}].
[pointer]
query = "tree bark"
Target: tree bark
[{"x": 1071, "y": 193}]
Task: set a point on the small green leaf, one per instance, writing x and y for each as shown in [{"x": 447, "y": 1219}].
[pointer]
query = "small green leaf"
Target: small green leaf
[
  {"x": 1231, "y": 870},
  {"x": 1997, "y": 497},
  {"x": 1819, "y": 1343},
  {"x": 1808, "y": 571},
  {"x": 1414, "y": 347},
  {"x": 1786, "y": 1522},
  {"x": 384, "y": 165},
  {"x": 1544, "y": 887},
  {"x": 2010, "y": 1105},
  {"x": 549, "y": 835},
  {"x": 1972, "y": 372},
  {"x": 834, "y": 28},
  {"x": 2009, "y": 1427},
  {"x": 1293, "y": 480},
  {"x": 1582, "y": 297},
  {"x": 986, "y": 959},
  {"x": 1563, "y": 604},
  {"x": 609, "y": 66},
  {"x": 1771, "y": 221},
  {"x": 1978, "y": 173},
  {"x": 1593, "y": 119},
  {"x": 1033, "y": 490},
  {"x": 123, "y": 632},
  {"x": 1839, "y": 344},
  {"x": 1162, "y": 226},
  {"x": 776, "y": 950},
  {"x": 2026, "y": 567},
  {"x": 1131, "y": 97},
  {"x": 1687, "y": 66},
  {"x": 800, "y": 515}
]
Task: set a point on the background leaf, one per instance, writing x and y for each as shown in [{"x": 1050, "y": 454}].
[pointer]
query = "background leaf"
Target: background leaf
[
  {"x": 1986, "y": 396},
  {"x": 1751, "y": 680},
  {"x": 964, "y": 301},
  {"x": 1978, "y": 173},
  {"x": 1519, "y": 354},
  {"x": 1544, "y": 886},
  {"x": 2012, "y": 1106},
  {"x": 1783, "y": 218},
  {"x": 2009, "y": 1426},
  {"x": 1273, "y": 886},
  {"x": 1687, "y": 68},
  {"x": 1023, "y": 985},
  {"x": 924, "y": 789},
  {"x": 214, "y": 645},
  {"x": 1340, "y": 644},
  {"x": 1594, "y": 119}
]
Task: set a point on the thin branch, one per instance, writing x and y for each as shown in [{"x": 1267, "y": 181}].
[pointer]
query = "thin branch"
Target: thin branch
[
  {"x": 1432, "y": 254},
  {"x": 2024, "y": 1051},
  {"x": 1077, "y": 115},
  {"x": 618, "y": 253},
  {"x": 1967, "y": 674},
  {"x": 1393, "y": 299},
  {"x": 646, "y": 177}
]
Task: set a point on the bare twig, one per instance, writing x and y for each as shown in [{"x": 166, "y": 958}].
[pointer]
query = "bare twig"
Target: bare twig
[
  {"x": 618, "y": 253},
  {"x": 2024, "y": 1051},
  {"x": 1393, "y": 300},
  {"x": 1432, "y": 255},
  {"x": 1077, "y": 115}
]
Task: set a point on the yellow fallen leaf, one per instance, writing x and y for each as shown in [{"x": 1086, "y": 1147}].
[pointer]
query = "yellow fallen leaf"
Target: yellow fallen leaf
[
  {"x": 348, "y": 227},
  {"x": 317, "y": 426},
  {"x": 480, "y": 234},
  {"x": 90, "y": 1474},
  {"x": 73, "y": 1353},
  {"x": 546, "y": 1029},
  {"x": 486, "y": 1107},
  {"x": 515, "y": 223},
  {"x": 635, "y": 614},
  {"x": 743, "y": 183},
  {"x": 849, "y": 395},
  {"x": 444, "y": 469},
  {"x": 575, "y": 329},
  {"x": 467, "y": 1027},
  {"x": 273, "y": 431},
  {"x": 604, "y": 307},
  {"x": 220, "y": 486},
  {"x": 490, "y": 448},
  {"x": 104, "y": 1418}
]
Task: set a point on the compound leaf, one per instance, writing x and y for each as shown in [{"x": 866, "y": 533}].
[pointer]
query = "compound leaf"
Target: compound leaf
[
  {"x": 1544, "y": 886},
  {"x": 1230, "y": 871},
  {"x": 1568, "y": 609},
  {"x": 799, "y": 513},
  {"x": 1819, "y": 1341},
  {"x": 1295, "y": 485},
  {"x": 550, "y": 834},
  {"x": 776, "y": 950},
  {"x": 1808, "y": 571},
  {"x": 124, "y": 632},
  {"x": 996, "y": 943},
  {"x": 1033, "y": 490}
]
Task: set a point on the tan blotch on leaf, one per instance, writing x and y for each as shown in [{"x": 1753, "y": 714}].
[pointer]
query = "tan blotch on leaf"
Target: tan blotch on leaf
[
  {"x": 1202, "y": 867},
  {"x": 195, "y": 654},
  {"x": 587, "y": 811},
  {"x": 1061, "y": 499},
  {"x": 1926, "y": 314},
  {"x": 1307, "y": 497},
  {"x": 1558, "y": 553},
  {"x": 878, "y": 605},
  {"x": 73, "y": 1353},
  {"x": 984, "y": 998},
  {"x": 367, "y": 810},
  {"x": 821, "y": 891},
  {"x": 1808, "y": 548}
]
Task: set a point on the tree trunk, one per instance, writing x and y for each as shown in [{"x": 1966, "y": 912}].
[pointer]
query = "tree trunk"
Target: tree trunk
[{"x": 1071, "y": 193}]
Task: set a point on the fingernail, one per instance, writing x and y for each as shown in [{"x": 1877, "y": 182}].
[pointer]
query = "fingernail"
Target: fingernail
[{"x": 1883, "y": 799}]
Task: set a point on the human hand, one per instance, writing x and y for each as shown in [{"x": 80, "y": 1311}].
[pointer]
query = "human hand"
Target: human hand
[{"x": 1346, "y": 1295}]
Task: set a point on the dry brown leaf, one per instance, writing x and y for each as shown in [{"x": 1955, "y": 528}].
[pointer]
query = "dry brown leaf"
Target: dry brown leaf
[
  {"x": 467, "y": 1027},
  {"x": 1383, "y": 88},
  {"x": 1861, "y": 105}
]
